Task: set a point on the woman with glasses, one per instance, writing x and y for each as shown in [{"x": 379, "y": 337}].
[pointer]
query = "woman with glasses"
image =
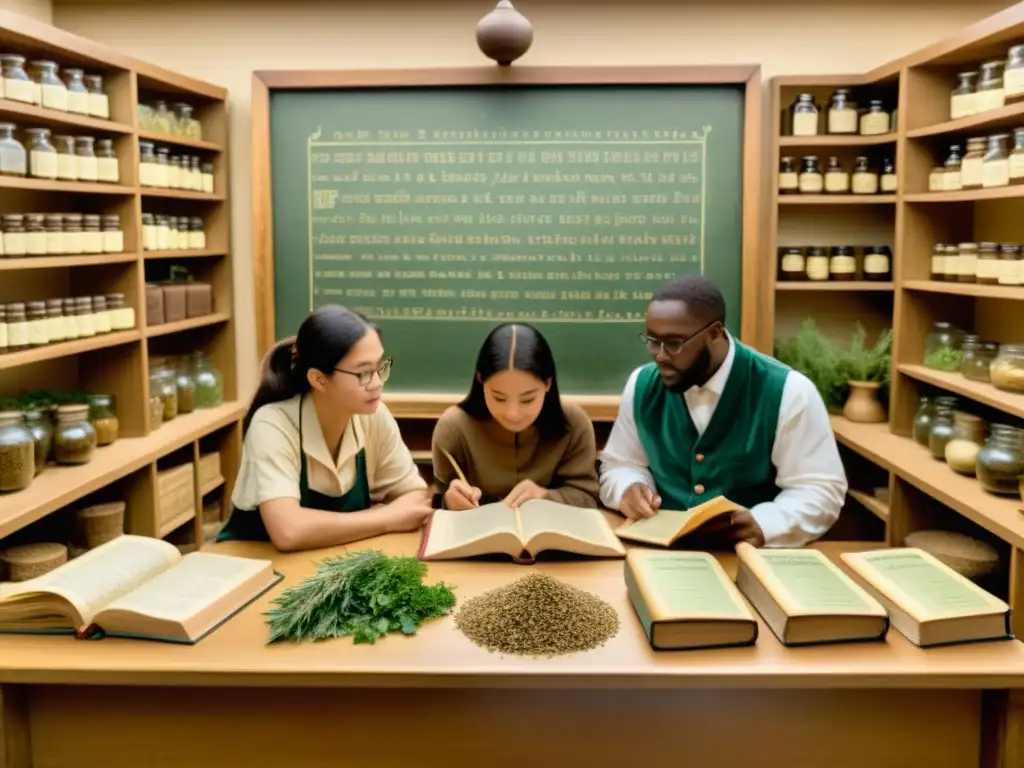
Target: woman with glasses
[
  {"x": 512, "y": 437},
  {"x": 319, "y": 442}
]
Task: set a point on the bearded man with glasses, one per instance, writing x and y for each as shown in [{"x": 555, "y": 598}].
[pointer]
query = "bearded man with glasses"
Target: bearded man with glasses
[{"x": 712, "y": 417}]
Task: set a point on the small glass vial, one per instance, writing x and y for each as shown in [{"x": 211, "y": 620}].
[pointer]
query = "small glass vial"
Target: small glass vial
[
  {"x": 878, "y": 263},
  {"x": 149, "y": 173},
  {"x": 85, "y": 152},
  {"x": 1017, "y": 157},
  {"x": 842, "y": 113},
  {"x": 13, "y": 158},
  {"x": 811, "y": 181},
  {"x": 195, "y": 174},
  {"x": 875, "y": 121},
  {"x": 163, "y": 167},
  {"x": 42, "y": 157},
  {"x": 972, "y": 173},
  {"x": 996, "y": 165},
  {"x": 55, "y": 329},
  {"x": 936, "y": 179},
  {"x": 963, "y": 101},
  {"x": 817, "y": 264},
  {"x": 149, "y": 242},
  {"x": 990, "y": 93},
  {"x": 100, "y": 314},
  {"x": 174, "y": 174},
  {"x": 70, "y": 320},
  {"x": 837, "y": 181},
  {"x": 107, "y": 168},
  {"x": 172, "y": 233},
  {"x": 55, "y": 244},
  {"x": 938, "y": 270},
  {"x": 952, "y": 177},
  {"x": 188, "y": 126},
  {"x": 78, "y": 94},
  {"x": 35, "y": 312},
  {"x": 92, "y": 235},
  {"x": 1013, "y": 73},
  {"x": 17, "y": 327},
  {"x": 788, "y": 177},
  {"x": 74, "y": 238},
  {"x": 865, "y": 180},
  {"x": 15, "y": 241},
  {"x": 206, "y": 178},
  {"x": 791, "y": 264},
  {"x": 99, "y": 104},
  {"x": 53, "y": 93},
  {"x": 887, "y": 181},
  {"x": 804, "y": 115},
  {"x": 122, "y": 318},
  {"x": 1010, "y": 264},
  {"x": 18, "y": 86},
  {"x": 197, "y": 236},
  {"x": 67, "y": 162},
  {"x": 35, "y": 235},
  {"x": 988, "y": 264},
  {"x": 113, "y": 237},
  {"x": 163, "y": 233},
  {"x": 967, "y": 263},
  {"x": 179, "y": 236},
  {"x": 842, "y": 264},
  {"x": 84, "y": 317}
]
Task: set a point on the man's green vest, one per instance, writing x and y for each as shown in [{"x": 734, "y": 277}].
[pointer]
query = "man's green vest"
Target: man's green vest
[{"x": 733, "y": 457}]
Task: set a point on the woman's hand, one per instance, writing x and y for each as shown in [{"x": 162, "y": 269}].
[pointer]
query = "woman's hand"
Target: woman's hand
[
  {"x": 461, "y": 496},
  {"x": 523, "y": 492},
  {"x": 406, "y": 513}
]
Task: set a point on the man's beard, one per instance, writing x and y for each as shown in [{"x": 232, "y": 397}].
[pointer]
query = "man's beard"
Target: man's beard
[{"x": 694, "y": 376}]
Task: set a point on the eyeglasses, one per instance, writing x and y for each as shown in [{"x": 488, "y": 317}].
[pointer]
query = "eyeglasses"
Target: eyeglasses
[
  {"x": 671, "y": 346},
  {"x": 365, "y": 377}
]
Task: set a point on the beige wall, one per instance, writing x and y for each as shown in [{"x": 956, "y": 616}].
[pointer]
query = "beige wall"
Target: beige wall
[
  {"x": 224, "y": 41},
  {"x": 41, "y": 10}
]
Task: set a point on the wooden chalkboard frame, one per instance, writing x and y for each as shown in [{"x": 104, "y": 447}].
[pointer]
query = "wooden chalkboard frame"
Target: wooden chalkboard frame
[{"x": 755, "y": 285}]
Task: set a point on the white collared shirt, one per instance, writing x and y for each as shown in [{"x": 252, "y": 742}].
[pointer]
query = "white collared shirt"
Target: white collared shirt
[{"x": 808, "y": 469}]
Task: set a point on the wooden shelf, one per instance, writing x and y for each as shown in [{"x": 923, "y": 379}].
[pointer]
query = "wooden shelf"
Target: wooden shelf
[
  {"x": 836, "y": 141},
  {"x": 22, "y": 113},
  {"x": 966, "y": 289},
  {"x": 72, "y": 187},
  {"x": 967, "y": 195},
  {"x": 180, "y": 194},
  {"x": 1008, "y": 116},
  {"x": 838, "y": 285},
  {"x": 57, "y": 262},
  {"x": 979, "y": 391},
  {"x": 903, "y": 457},
  {"x": 836, "y": 199},
  {"x": 157, "y": 255},
  {"x": 179, "y": 141},
  {"x": 67, "y": 348},
  {"x": 59, "y": 486},
  {"x": 877, "y": 507},
  {"x": 187, "y": 325},
  {"x": 211, "y": 486}
]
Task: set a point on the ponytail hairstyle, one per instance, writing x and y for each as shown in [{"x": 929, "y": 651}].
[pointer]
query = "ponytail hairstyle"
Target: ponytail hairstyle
[
  {"x": 521, "y": 347},
  {"x": 326, "y": 335}
]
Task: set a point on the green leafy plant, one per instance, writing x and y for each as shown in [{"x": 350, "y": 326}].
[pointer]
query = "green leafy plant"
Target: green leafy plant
[{"x": 364, "y": 594}]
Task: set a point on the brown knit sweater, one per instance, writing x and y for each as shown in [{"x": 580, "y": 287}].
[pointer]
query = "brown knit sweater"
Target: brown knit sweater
[{"x": 494, "y": 460}]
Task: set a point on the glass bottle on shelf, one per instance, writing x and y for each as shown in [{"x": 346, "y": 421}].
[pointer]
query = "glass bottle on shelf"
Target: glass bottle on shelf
[
  {"x": 162, "y": 385},
  {"x": 163, "y": 233},
  {"x": 74, "y": 439},
  {"x": 206, "y": 178},
  {"x": 962, "y": 451},
  {"x": 99, "y": 103},
  {"x": 78, "y": 94},
  {"x": 163, "y": 169},
  {"x": 887, "y": 182},
  {"x": 92, "y": 234},
  {"x": 17, "y": 327},
  {"x": 817, "y": 263},
  {"x": 923, "y": 420},
  {"x": 42, "y": 157},
  {"x": 149, "y": 174},
  {"x": 103, "y": 417},
  {"x": 1009, "y": 264},
  {"x": 148, "y": 232},
  {"x": 811, "y": 181},
  {"x": 1017, "y": 157},
  {"x": 107, "y": 168},
  {"x": 3, "y": 328},
  {"x": 53, "y": 93},
  {"x": 876, "y": 120},
  {"x": 837, "y": 181},
  {"x": 185, "y": 384},
  {"x": 988, "y": 263},
  {"x": 55, "y": 325},
  {"x": 197, "y": 236},
  {"x": 1013, "y": 73},
  {"x": 113, "y": 237},
  {"x": 172, "y": 234},
  {"x": 967, "y": 262},
  {"x": 122, "y": 317},
  {"x": 952, "y": 263},
  {"x": 788, "y": 176},
  {"x": 977, "y": 359},
  {"x": 13, "y": 158},
  {"x": 88, "y": 166},
  {"x": 67, "y": 161},
  {"x": 791, "y": 264},
  {"x": 938, "y": 270},
  {"x": 100, "y": 315},
  {"x": 990, "y": 93},
  {"x": 842, "y": 264},
  {"x": 17, "y": 452},
  {"x": 952, "y": 176},
  {"x": 963, "y": 101},
  {"x": 174, "y": 180},
  {"x": 937, "y": 179},
  {"x": 35, "y": 313},
  {"x": 209, "y": 382},
  {"x": 18, "y": 86},
  {"x": 74, "y": 238},
  {"x": 35, "y": 235},
  {"x": 41, "y": 427},
  {"x": 942, "y": 347},
  {"x": 15, "y": 240},
  {"x": 188, "y": 126},
  {"x": 1001, "y": 461},
  {"x": 70, "y": 319},
  {"x": 842, "y": 113},
  {"x": 941, "y": 432},
  {"x": 196, "y": 174},
  {"x": 1007, "y": 369},
  {"x": 864, "y": 180},
  {"x": 163, "y": 118},
  {"x": 972, "y": 173},
  {"x": 84, "y": 317},
  {"x": 996, "y": 164}
]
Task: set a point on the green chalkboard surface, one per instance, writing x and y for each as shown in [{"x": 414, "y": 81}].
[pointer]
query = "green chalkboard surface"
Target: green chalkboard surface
[{"x": 441, "y": 212}]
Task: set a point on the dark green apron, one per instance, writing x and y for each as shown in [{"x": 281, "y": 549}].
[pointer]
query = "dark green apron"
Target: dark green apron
[{"x": 247, "y": 524}]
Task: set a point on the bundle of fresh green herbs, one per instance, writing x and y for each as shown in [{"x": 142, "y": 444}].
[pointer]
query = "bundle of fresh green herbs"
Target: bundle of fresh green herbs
[{"x": 365, "y": 594}]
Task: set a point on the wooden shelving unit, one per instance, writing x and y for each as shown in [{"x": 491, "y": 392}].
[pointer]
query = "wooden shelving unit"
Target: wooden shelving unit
[{"x": 118, "y": 363}]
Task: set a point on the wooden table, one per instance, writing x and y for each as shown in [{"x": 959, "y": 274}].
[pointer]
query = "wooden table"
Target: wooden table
[{"x": 437, "y": 699}]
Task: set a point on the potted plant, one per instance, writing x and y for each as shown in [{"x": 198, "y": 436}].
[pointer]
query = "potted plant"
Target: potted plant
[{"x": 867, "y": 371}]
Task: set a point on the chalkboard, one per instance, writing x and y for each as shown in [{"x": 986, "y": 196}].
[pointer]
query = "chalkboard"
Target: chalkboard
[{"x": 440, "y": 212}]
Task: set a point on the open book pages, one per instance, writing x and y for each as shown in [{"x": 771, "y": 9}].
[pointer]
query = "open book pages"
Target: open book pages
[{"x": 668, "y": 525}]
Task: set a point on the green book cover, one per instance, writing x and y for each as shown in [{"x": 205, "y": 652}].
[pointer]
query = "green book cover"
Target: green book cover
[{"x": 813, "y": 587}]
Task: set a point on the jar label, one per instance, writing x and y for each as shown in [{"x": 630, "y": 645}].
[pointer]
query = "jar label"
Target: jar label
[
  {"x": 837, "y": 182},
  {"x": 817, "y": 268},
  {"x": 1017, "y": 165},
  {"x": 162, "y": 175},
  {"x": 17, "y": 334},
  {"x": 197, "y": 242},
  {"x": 936, "y": 181},
  {"x": 108, "y": 170},
  {"x": 37, "y": 335},
  {"x": 888, "y": 182},
  {"x": 85, "y": 325},
  {"x": 939, "y": 266},
  {"x": 113, "y": 241},
  {"x": 71, "y": 328},
  {"x": 207, "y": 182},
  {"x": 876, "y": 264},
  {"x": 78, "y": 102},
  {"x": 793, "y": 263},
  {"x": 122, "y": 319},
  {"x": 20, "y": 90},
  {"x": 987, "y": 269},
  {"x": 55, "y": 329},
  {"x": 986, "y": 100},
  {"x": 967, "y": 264},
  {"x": 74, "y": 242},
  {"x": 55, "y": 97},
  {"x": 67, "y": 167},
  {"x": 972, "y": 172},
  {"x": 101, "y": 321},
  {"x": 174, "y": 177},
  {"x": 842, "y": 121},
  {"x": 92, "y": 242},
  {"x": 12, "y": 161},
  {"x": 173, "y": 241},
  {"x": 3, "y": 336},
  {"x": 149, "y": 234},
  {"x": 865, "y": 183},
  {"x": 874, "y": 123},
  {"x": 35, "y": 243},
  {"x": 43, "y": 164},
  {"x": 148, "y": 174},
  {"x": 1009, "y": 272},
  {"x": 952, "y": 181},
  {"x": 99, "y": 105},
  {"x": 805, "y": 124},
  {"x": 811, "y": 183},
  {"x": 787, "y": 181},
  {"x": 88, "y": 169},
  {"x": 163, "y": 239},
  {"x": 1013, "y": 82},
  {"x": 842, "y": 265},
  {"x": 14, "y": 244},
  {"x": 963, "y": 105},
  {"x": 997, "y": 173}
]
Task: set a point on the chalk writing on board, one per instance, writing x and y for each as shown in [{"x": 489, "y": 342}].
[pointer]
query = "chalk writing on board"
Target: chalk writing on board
[{"x": 504, "y": 225}]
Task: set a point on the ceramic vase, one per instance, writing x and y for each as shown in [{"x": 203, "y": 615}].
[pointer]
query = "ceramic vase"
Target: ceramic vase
[
  {"x": 862, "y": 404},
  {"x": 504, "y": 34}
]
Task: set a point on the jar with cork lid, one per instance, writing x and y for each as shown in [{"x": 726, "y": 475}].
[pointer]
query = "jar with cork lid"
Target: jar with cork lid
[
  {"x": 53, "y": 93},
  {"x": 962, "y": 100},
  {"x": 163, "y": 170},
  {"x": 42, "y": 156}
]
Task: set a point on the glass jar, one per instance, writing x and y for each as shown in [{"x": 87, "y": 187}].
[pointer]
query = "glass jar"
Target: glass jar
[
  {"x": 100, "y": 315},
  {"x": 77, "y": 93},
  {"x": 1013, "y": 73},
  {"x": 3, "y": 328},
  {"x": 996, "y": 164},
  {"x": 113, "y": 237},
  {"x": 53, "y": 93},
  {"x": 103, "y": 417},
  {"x": 186, "y": 386},
  {"x": 206, "y": 178},
  {"x": 961, "y": 452},
  {"x": 952, "y": 176},
  {"x": 174, "y": 175},
  {"x": 67, "y": 162},
  {"x": 837, "y": 181},
  {"x": 817, "y": 263},
  {"x": 967, "y": 262},
  {"x": 122, "y": 318},
  {"x": 148, "y": 171},
  {"x": 865, "y": 180},
  {"x": 107, "y": 168},
  {"x": 13, "y": 158},
  {"x": 1001, "y": 461},
  {"x": 952, "y": 262},
  {"x": 84, "y": 321},
  {"x": 788, "y": 177},
  {"x": 877, "y": 263},
  {"x": 990, "y": 93},
  {"x": 875, "y": 121},
  {"x": 162, "y": 384},
  {"x": 977, "y": 358},
  {"x": 74, "y": 238},
  {"x": 941, "y": 431},
  {"x": 209, "y": 382},
  {"x": 35, "y": 235},
  {"x": 988, "y": 263},
  {"x": 1017, "y": 157},
  {"x": 1007, "y": 369},
  {"x": 74, "y": 439},
  {"x": 196, "y": 174},
  {"x": 197, "y": 236},
  {"x": 1010, "y": 264},
  {"x": 54, "y": 223},
  {"x": 163, "y": 118},
  {"x": 163, "y": 170},
  {"x": 17, "y": 327},
  {"x": 70, "y": 319},
  {"x": 172, "y": 233},
  {"x": 791, "y": 264},
  {"x": 191, "y": 128},
  {"x": 40, "y": 426},
  {"x": 923, "y": 420},
  {"x": 18, "y": 86},
  {"x": 55, "y": 326},
  {"x": 972, "y": 168},
  {"x": 163, "y": 233},
  {"x": 942, "y": 347},
  {"x": 842, "y": 264},
  {"x": 85, "y": 152},
  {"x": 811, "y": 181},
  {"x": 42, "y": 157},
  {"x": 937, "y": 179},
  {"x": 15, "y": 240},
  {"x": 842, "y": 113},
  {"x": 99, "y": 104},
  {"x": 92, "y": 235},
  {"x": 148, "y": 232},
  {"x": 962, "y": 100},
  {"x": 35, "y": 313},
  {"x": 887, "y": 182},
  {"x": 17, "y": 453}
]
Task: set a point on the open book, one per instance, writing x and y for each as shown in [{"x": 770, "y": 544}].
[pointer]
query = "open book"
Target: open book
[
  {"x": 805, "y": 598},
  {"x": 135, "y": 586},
  {"x": 669, "y": 525},
  {"x": 537, "y": 525},
  {"x": 928, "y": 602}
]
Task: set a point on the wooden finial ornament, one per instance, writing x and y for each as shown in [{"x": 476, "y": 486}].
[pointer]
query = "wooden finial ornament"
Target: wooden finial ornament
[{"x": 504, "y": 34}]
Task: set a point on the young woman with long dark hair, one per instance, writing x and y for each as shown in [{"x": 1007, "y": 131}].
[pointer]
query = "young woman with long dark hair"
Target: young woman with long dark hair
[
  {"x": 318, "y": 442},
  {"x": 512, "y": 435}
]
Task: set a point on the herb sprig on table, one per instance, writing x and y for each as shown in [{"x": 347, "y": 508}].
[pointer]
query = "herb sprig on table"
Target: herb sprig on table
[{"x": 365, "y": 594}]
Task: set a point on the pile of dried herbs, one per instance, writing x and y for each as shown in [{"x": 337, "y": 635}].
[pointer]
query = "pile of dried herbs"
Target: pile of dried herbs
[{"x": 365, "y": 594}]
